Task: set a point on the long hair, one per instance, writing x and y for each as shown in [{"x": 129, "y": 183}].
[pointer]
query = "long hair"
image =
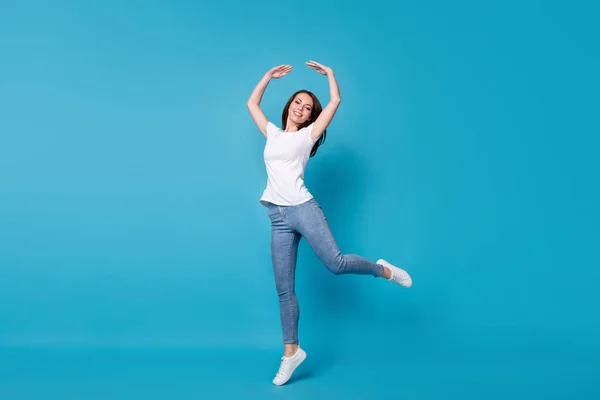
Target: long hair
[{"x": 314, "y": 114}]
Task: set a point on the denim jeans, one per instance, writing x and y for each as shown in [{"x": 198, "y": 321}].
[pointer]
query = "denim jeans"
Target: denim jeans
[{"x": 288, "y": 225}]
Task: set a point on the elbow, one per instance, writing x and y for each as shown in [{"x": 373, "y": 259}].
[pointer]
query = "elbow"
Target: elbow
[{"x": 336, "y": 101}]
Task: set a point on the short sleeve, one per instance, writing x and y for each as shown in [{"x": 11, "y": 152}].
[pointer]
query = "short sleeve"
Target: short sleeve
[
  {"x": 272, "y": 130},
  {"x": 309, "y": 130}
]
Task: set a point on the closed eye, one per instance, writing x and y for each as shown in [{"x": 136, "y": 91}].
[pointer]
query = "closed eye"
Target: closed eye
[{"x": 307, "y": 106}]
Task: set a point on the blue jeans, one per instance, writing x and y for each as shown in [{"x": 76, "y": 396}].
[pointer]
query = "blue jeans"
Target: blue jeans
[{"x": 288, "y": 225}]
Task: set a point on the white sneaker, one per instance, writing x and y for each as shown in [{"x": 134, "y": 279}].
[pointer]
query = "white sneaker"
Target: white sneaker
[
  {"x": 287, "y": 367},
  {"x": 398, "y": 275}
]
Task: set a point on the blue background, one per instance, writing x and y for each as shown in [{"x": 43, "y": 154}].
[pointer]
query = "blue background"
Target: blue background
[{"x": 465, "y": 150}]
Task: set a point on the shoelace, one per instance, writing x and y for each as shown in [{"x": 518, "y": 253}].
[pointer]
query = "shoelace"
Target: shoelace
[
  {"x": 284, "y": 362},
  {"x": 399, "y": 277}
]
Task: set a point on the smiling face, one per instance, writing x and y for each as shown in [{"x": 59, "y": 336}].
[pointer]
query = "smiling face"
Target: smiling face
[{"x": 300, "y": 109}]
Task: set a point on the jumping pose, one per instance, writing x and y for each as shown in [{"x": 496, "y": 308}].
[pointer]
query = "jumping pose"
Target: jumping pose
[{"x": 293, "y": 211}]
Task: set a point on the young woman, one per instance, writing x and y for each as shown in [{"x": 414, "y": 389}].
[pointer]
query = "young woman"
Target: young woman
[{"x": 293, "y": 211}]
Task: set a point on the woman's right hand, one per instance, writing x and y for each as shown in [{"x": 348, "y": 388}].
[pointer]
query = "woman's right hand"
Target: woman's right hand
[{"x": 279, "y": 71}]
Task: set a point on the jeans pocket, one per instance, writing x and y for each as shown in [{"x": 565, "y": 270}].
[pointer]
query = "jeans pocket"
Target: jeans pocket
[
  {"x": 276, "y": 214},
  {"x": 272, "y": 212}
]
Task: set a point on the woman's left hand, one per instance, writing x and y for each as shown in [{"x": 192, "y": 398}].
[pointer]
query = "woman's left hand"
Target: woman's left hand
[{"x": 320, "y": 68}]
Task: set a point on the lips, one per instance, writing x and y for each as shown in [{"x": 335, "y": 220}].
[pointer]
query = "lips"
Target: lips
[{"x": 297, "y": 114}]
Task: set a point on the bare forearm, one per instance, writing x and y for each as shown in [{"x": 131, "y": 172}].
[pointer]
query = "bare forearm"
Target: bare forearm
[
  {"x": 334, "y": 89},
  {"x": 256, "y": 96},
  {"x": 322, "y": 122},
  {"x": 259, "y": 90}
]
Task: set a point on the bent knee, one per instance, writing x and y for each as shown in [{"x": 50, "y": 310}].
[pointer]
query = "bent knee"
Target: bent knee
[{"x": 337, "y": 265}]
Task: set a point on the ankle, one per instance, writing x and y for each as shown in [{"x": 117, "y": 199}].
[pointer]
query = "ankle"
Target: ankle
[
  {"x": 290, "y": 349},
  {"x": 386, "y": 273}
]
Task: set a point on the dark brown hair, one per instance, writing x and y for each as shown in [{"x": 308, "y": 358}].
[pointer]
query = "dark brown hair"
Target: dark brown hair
[{"x": 314, "y": 114}]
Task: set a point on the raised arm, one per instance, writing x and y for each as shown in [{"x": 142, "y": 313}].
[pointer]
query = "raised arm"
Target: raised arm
[
  {"x": 254, "y": 101},
  {"x": 328, "y": 112}
]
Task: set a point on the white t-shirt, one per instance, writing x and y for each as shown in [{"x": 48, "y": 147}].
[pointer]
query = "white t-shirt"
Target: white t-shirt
[{"x": 285, "y": 156}]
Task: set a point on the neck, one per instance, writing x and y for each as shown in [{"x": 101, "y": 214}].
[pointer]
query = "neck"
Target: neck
[{"x": 291, "y": 126}]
